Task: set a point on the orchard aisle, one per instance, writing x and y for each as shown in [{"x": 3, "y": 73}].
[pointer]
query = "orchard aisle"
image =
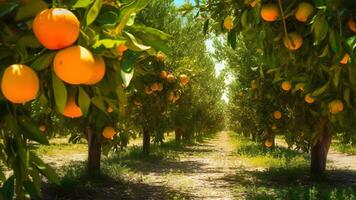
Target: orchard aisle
[{"x": 203, "y": 170}]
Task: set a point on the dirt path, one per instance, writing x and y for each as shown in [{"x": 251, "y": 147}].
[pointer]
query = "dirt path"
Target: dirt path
[
  {"x": 336, "y": 160},
  {"x": 201, "y": 170}
]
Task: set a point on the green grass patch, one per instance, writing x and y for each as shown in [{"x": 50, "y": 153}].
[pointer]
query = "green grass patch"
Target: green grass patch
[{"x": 343, "y": 148}]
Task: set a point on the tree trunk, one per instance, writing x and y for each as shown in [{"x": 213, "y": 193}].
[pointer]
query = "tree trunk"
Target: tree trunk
[
  {"x": 146, "y": 142},
  {"x": 320, "y": 150},
  {"x": 94, "y": 151},
  {"x": 178, "y": 135}
]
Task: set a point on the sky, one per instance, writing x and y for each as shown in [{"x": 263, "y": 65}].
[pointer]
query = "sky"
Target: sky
[{"x": 219, "y": 66}]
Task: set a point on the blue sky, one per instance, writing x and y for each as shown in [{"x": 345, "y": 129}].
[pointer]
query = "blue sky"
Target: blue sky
[{"x": 180, "y": 2}]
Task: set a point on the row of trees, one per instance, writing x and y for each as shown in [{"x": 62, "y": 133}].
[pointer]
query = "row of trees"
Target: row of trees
[
  {"x": 99, "y": 70},
  {"x": 304, "y": 81}
]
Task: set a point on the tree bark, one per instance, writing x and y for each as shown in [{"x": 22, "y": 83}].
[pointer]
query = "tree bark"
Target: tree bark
[
  {"x": 94, "y": 151},
  {"x": 146, "y": 142},
  {"x": 320, "y": 150},
  {"x": 178, "y": 135}
]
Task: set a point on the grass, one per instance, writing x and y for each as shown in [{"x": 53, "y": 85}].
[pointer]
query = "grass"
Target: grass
[
  {"x": 343, "y": 148},
  {"x": 59, "y": 146},
  {"x": 283, "y": 174}
]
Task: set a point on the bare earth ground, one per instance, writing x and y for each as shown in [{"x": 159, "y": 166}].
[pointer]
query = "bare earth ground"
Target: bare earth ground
[{"x": 201, "y": 171}]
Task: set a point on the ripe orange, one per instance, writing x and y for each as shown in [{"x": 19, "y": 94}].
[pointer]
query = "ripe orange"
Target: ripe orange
[
  {"x": 286, "y": 86},
  {"x": 163, "y": 74},
  {"x": 109, "y": 132},
  {"x": 171, "y": 78},
  {"x": 122, "y": 48},
  {"x": 345, "y": 59},
  {"x": 270, "y": 12},
  {"x": 293, "y": 42},
  {"x": 56, "y": 28},
  {"x": 160, "y": 56},
  {"x": 109, "y": 109},
  {"x": 19, "y": 83},
  {"x": 277, "y": 114},
  {"x": 336, "y": 106},
  {"x": 304, "y": 11},
  {"x": 309, "y": 99},
  {"x": 154, "y": 87},
  {"x": 160, "y": 87},
  {"x": 99, "y": 71},
  {"x": 268, "y": 143},
  {"x": 42, "y": 128},
  {"x": 352, "y": 24},
  {"x": 74, "y": 65},
  {"x": 148, "y": 90},
  {"x": 71, "y": 109},
  {"x": 229, "y": 23},
  {"x": 184, "y": 79}
]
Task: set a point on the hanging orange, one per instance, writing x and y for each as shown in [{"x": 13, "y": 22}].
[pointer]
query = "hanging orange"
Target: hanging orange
[
  {"x": 99, "y": 71},
  {"x": 293, "y": 42},
  {"x": 71, "y": 109},
  {"x": 56, "y": 28},
  {"x": 74, "y": 65},
  {"x": 109, "y": 132},
  {"x": 270, "y": 12},
  {"x": 19, "y": 83}
]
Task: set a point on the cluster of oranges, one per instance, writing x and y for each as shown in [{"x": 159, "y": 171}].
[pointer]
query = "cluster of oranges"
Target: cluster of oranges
[{"x": 56, "y": 29}]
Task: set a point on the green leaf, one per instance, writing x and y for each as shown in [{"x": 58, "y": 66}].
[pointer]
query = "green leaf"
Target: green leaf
[
  {"x": 337, "y": 74},
  {"x": 93, "y": 12},
  {"x": 98, "y": 101},
  {"x": 131, "y": 20},
  {"x": 31, "y": 131},
  {"x": 6, "y": 8},
  {"x": 320, "y": 28},
  {"x": 347, "y": 93},
  {"x": 30, "y": 9},
  {"x": 351, "y": 43},
  {"x": 60, "y": 93},
  {"x": 108, "y": 43},
  {"x": 320, "y": 90},
  {"x": 134, "y": 44},
  {"x": 30, "y": 40},
  {"x": 82, "y": 3},
  {"x": 333, "y": 41},
  {"x": 7, "y": 189},
  {"x": 30, "y": 187},
  {"x": 45, "y": 169},
  {"x": 206, "y": 27},
  {"x": 84, "y": 101},
  {"x": 43, "y": 61},
  {"x": 36, "y": 180},
  {"x": 244, "y": 18},
  {"x": 127, "y": 10}
]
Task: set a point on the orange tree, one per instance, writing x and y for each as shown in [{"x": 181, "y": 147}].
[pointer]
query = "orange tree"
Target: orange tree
[
  {"x": 74, "y": 58},
  {"x": 310, "y": 42}
]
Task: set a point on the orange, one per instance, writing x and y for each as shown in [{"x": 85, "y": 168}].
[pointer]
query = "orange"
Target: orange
[
  {"x": 293, "y": 42},
  {"x": 99, "y": 71},
  {"x": 268, "y": 143},
  {"x": 109, "y": 109},
  {"x": 56, "y": 28},
  {"x": 154, "y": 87},
  {"x": 184, "y": 79},
  {"x": 72, "y": 110},
  {"x": 148, "y": 90},
  {"x": 122, "y": 48},
  {"x": 352, "y": 24},
  {"x": 109, "y": 132},
  {"x": 160, "y": 87},
  {"x": 286, "y": 86},
  {"x": 309, "y": 99},
  {"x": 304, "y": 11},
  {"x": 336, "y": 106},
  {"x": 74, "y": 65},
  {"x": 160, "y": 56},
  {"x": 19, "y": 83},
  {"x": 163, "y": 74},
  {"x": 228, "y": 23},
  {"x": 270, "y": 12},
  {"x": 171, "y": 78},
  {"x": 277, "y": 114},
  {"x": 345, "y": 59},
  {"x": 42, "y": 128}
]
